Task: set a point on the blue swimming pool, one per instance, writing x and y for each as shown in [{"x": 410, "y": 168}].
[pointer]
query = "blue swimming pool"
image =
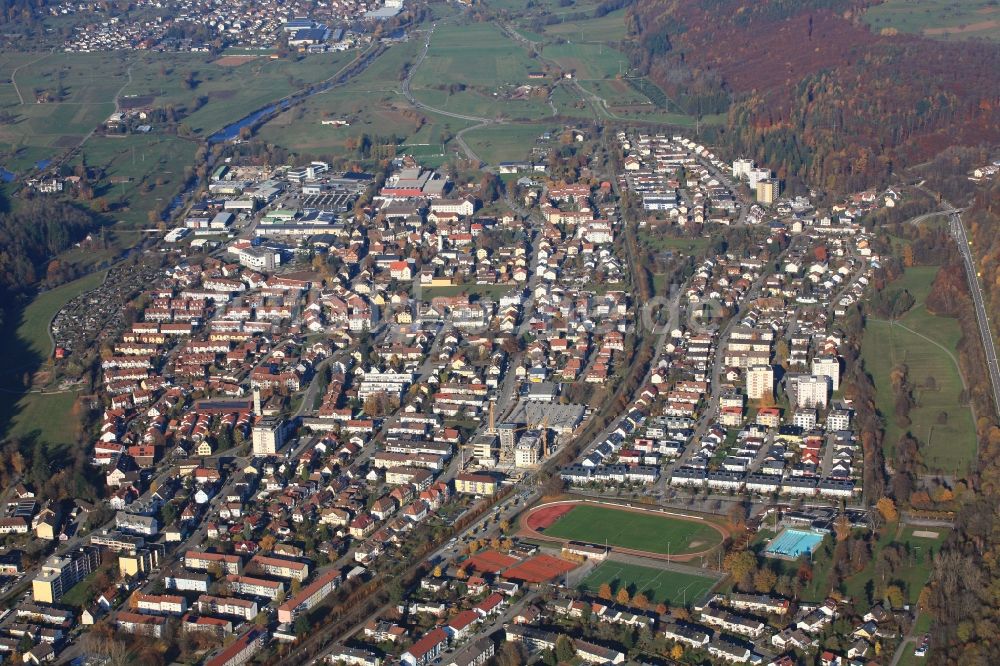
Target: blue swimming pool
[{"x": 792, "y": 543}]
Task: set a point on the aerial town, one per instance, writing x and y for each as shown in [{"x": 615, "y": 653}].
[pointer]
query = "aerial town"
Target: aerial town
[
  {"x": 319, "y": 353},
  {"x": 201, "y": 26},
  {"x": 364, "y": 379}
]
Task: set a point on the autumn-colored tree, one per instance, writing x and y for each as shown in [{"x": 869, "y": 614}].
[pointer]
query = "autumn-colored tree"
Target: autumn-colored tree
[
  {"x": 943, "y": 495},
  {"x": 908, "y": 255},
  {"x": 894, "y": 596},
  {"x": 267, "y": 543},
  {"x": 640, "y": 601},
  {"x": 923, "y": 601},
  {"x": 661, "y": 608},
  {"x": 887, "y": 508},
  {"x": 677, "y": 652},
  {"x": 604, "y": 592},
  {"x": 740, "y": 564},
  {"x": 622, "y": 596},
  {"x": 764, "y": 580},
  {"x": 437, "y": 571}
]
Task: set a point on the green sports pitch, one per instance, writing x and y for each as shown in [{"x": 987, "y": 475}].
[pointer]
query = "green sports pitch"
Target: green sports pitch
[
  {"x": 648, "y": 532},
  {"x": 669, "y": 587}
]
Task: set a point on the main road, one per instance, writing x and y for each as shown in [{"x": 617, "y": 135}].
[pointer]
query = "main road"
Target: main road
[
  {"x": 957, "y": 228},
  {"x": 976, "y": 290}
]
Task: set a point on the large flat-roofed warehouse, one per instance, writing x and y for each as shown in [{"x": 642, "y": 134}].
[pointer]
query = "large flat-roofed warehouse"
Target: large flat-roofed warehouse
[{"x": 560, "y": 418}]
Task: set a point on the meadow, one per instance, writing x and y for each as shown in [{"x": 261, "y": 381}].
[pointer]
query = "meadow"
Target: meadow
[
  {"x": 506, "y": 143},
  {"x": 673, "y": 588},
  {"x": 477, "y": 55},
  {"x": 941, "y": 19},
  {"x": 77, "y": 93},
  {"x": 608, "y": 28},
  {"x": 925, "y": 343},
  {"x": 587, "y": 61},
  {"x": 372, "y": 103},
  {"x": 26, "y": 346},
  {"x": 143, "y": 173},
  {"x": 919, "y": 563},
  {"x": 27, "y": 337}
]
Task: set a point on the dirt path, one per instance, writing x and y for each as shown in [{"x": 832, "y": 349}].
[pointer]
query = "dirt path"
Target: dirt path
[{"x": 13, "y": 75}]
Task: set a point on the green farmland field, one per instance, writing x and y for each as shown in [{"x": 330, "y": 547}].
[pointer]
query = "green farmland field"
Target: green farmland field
[
  {"x": 588, "y": 61},
  {"x": 658, "y": 585},
  {"x": 505, "y": 143},
  {"x": 941, "y": 19},
  {"x": 639, "y": 531},
  {"x": 476, "y": 55}
]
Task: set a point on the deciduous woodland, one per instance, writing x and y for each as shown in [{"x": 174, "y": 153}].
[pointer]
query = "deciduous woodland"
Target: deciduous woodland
[{"x": 813, "y": 91}]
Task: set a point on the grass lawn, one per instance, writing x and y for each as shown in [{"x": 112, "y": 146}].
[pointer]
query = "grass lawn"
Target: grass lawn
[
  {"x": 154, "y": 165},
  {"x": 506, "y": 143},
  {"x": 640, "y": 531},
  {"x": 494, "y": 291},
  {"x": 616, "y": 92},
  {"x": 683, "y": 245},
  {"x": 608, "y": 28},
  {"x": 588, "y": 61},
  {"x": 47, "y": 417},
  {"x": 948, "y": 446},
  {"x": 475, "y": 54},
  {"x": 670, "y": 587},
  {"x": 482, "y": 103},
  {"x": 26, "y": 347},
  {"x": 943, "y": 19},
  {"x": 568, "y": 101},
  {"x": 78, "y": 595}
]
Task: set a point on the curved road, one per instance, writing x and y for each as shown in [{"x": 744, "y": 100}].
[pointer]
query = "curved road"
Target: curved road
[
  {"x": 13, "y": 75},
  {"x": 459, "y": 139},
  {"x": 420, "y": 105}
]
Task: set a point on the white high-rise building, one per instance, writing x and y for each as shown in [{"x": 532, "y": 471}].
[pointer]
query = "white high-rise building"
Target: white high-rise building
[
  {"x": 741, "y": 168},
  {"x": 268, "y": 436},
  {"x": 760, "y": 382},
  {"x": 754, "y": 176},
  {"x": 828, "y": 366},
  {"x": 809, "y": 391}
]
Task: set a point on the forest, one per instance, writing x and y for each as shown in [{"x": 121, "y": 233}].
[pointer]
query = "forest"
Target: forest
[
  {"x": 812, "y": 93},
  {"x": 29, "y": 236}
]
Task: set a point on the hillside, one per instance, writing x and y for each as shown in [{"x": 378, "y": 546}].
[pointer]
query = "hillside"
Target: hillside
[{"x": 813, "y": 92}]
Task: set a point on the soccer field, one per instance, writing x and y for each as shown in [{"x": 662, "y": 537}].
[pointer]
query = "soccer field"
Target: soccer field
[
  {"x": 639, "y": 531},
  {"x": 670, "y": 587}
]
